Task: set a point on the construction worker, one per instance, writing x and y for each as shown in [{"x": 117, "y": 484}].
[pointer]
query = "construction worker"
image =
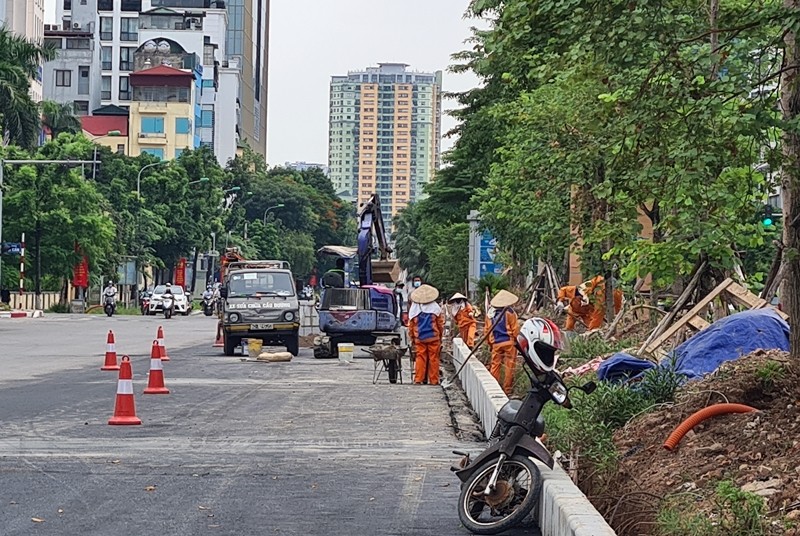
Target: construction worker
[
  {"x": 334, "y": 278},
  {"x": 595, "y": 292},
  {"x": 575, "y": 304},
  {"x": 464, "y": 315},
  {"x": 502, "y": 339},
  {"x": 426, "y": 327}
]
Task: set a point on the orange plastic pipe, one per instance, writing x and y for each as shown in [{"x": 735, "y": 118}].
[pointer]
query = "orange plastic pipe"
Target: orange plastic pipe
[{"x": 698, "y": 417}]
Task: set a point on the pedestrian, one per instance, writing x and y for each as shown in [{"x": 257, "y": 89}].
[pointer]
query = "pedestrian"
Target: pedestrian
[
  {"x": 426, "y": 327},
  {"x": 464, "y": 314},
  {"x": 400, "y": 292},
  {"x": 502, "y": 339},
  {"x": 416, "y": 282}
]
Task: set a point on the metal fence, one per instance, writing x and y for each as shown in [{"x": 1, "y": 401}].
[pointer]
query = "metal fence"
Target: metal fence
[{"x": 309, "y": 319}]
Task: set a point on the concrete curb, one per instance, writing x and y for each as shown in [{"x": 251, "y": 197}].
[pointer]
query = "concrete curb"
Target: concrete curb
[
  {"x": 21, "y": 314},
  {"x": 563, "y": 508}
]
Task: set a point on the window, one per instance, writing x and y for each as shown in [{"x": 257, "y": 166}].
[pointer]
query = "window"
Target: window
[
  {"x": 80, "y": 107},
  {"x": 208, "y": 54},
  {"x": 182, "y": 125},
  {"x": 83, "y": 80},
  {"x": 105, "y": 5},
  {"x": 129, "y": 29},
  {"x": 79, "y": 44},
  {"x": 121, "y": 148},
  {"x": 106, "y": 58},
  {"x": 152, "y": 125},
  {"x": 155, "y": 151},
  {"x": 178, "y": 152},
  {"x": 63, "y": 78},
  {"x": 207, "y": 119},
  {"x": 106, "y": 28},
  {"x": 105, "y": 88},
  {"x": 54, "y": 42},
  {"x": 208, "y": 83},
  {"x": 126, "y": 58},
  {"x": 132, "y": 5},
  {"x": 124, "y": 88}
]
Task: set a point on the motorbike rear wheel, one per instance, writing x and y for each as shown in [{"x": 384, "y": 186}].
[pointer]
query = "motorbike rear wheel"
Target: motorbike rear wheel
[{"x": 516, "y": 494}]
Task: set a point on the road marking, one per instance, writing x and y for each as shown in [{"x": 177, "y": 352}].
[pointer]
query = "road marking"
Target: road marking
[{"x": 410, "y": 498}]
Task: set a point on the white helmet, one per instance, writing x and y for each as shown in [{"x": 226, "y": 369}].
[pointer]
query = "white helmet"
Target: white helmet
[{"x": 538, "y": 340}]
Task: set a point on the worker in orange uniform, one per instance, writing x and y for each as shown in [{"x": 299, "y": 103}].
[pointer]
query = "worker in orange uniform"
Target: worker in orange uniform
[
  {"x": 575, "y": 304},
  {"x": 595, "y": 292},
  {"x": 426, "y": 327},
  {"x": 502, "y": 338},
  {"x": 464, "y": 315}
]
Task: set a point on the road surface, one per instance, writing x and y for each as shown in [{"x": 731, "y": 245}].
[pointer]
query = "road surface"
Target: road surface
[{"x": 237, "y": 448}]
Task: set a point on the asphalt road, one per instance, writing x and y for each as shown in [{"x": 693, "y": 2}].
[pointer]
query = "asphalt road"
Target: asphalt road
[{"x": 238, "y": 448}]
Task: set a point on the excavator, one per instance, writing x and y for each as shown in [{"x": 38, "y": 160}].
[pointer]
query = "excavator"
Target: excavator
[{"x": 366, "y": 314}]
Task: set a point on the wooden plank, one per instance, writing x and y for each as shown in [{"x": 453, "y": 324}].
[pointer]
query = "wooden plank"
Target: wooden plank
[
  {"x": 673, "y": 329},
  {"x": 698, "y": 323},
  {"x": 744, "y": 297}
]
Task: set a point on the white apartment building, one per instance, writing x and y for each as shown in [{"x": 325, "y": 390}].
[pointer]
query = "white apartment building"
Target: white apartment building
[
  {"x": 132, "y": 35},
  {"x": 26, "y": 18}
]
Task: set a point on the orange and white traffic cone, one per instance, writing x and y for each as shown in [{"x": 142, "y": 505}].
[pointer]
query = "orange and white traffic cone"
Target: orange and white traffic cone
[
  {"x": 155, "y": 382},
  {"x": 111, "y": 353},
  {"x": 162, "y": 349},
  {"x": 124, "y": 408},
  {"x": 219, "y": 342}
]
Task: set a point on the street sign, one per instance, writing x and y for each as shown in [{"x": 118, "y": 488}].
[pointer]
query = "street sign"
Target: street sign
[
  {"x": 11, "y": 248},
  {"x": 488, "y": 252}
]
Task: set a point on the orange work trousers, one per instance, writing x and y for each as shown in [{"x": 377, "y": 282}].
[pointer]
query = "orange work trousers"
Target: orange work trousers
[
  {"x": 426, "y": 363},
  {"x": 467, "y": 332},
  {"x": 504, "y": 357}
]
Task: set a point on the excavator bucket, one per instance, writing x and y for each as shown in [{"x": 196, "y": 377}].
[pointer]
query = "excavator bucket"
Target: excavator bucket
[{"x": 385, "y": 271}]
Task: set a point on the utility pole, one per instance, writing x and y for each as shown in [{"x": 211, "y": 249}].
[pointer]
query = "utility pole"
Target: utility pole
[{"x": 3, "y": 164}]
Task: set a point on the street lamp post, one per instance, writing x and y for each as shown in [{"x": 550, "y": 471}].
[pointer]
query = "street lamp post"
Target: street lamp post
[
  {"x": 139, "y": 176},
  {"x": 201, "y": 179},
  {"x": 280, "y": 205}
]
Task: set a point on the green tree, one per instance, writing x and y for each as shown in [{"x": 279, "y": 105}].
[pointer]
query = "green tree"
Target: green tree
[
  {"x": 59, "y": 117},
  {"x": 20, "y": 60}
]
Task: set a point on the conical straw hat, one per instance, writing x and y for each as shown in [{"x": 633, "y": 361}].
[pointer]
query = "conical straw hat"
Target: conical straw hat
[
  {"x": 504, "y": 298},
  {"x": 424, "y": 294},
  {"x": 457, "y": 296}
]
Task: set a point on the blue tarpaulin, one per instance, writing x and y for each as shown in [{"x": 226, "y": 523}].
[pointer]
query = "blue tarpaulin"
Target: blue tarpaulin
[{"x": 725, "y": 340}]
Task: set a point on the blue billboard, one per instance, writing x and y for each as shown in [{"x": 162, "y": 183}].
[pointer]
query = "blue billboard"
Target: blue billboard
[{"x": 488, "y": 254}]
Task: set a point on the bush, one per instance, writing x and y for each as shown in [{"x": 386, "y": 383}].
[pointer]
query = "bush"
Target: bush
[
  {"x": 582, "y": 349},
  {"x": 58, "y": 308}
]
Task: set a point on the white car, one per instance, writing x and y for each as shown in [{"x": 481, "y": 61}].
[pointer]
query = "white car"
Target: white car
[{"x": 181, "y": 300}]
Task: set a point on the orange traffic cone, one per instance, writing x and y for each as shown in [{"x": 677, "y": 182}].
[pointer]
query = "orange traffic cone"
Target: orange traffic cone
[
  {"x": 155, "y": 383},
  {"x": 219, "y": 343},
  {"x": 162, "y": 349},
  {"x": 111, "y": 353},
  {"x": 125, "y": 409}
]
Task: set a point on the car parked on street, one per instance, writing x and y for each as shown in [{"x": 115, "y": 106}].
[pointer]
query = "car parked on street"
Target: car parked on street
[{"x": 181, "y": 300}]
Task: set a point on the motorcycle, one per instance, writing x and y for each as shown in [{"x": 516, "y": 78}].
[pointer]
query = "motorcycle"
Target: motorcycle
[
  {"x": 208, "y": 306},
  {"x": 110, "y": 306},
  {"x": 168, "y": 304},
  {"x": 144, "y": 302},
  {"x": 501, "y": 487}
]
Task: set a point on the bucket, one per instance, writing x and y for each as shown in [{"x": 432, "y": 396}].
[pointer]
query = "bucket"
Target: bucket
[
  {"x": 254, "y": 347},
  {"x": 346, "y": 351}
]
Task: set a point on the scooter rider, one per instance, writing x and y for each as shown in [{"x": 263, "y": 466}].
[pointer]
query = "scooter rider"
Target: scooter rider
[
  {"x": 110, "y": 291},
  {"x": 208, "y": 293}
]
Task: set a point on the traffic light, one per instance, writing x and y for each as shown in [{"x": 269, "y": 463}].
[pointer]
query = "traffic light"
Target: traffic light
[{"x": 766, "y": 216}]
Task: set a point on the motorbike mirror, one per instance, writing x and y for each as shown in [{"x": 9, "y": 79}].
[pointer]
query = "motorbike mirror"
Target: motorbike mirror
[
  {"x": 588, "y": 388},
  {"x": 223, "y": 292}
]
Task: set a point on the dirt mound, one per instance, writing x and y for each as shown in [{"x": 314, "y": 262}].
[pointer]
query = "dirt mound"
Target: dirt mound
[{"x": 758, "y": 452}]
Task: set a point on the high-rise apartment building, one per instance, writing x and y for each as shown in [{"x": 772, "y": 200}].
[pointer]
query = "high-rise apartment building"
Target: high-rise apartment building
[
  {"x": 384, "y": 134},
  {"x": 25, "y": 18},
  {"x": 228, "y": 38}
]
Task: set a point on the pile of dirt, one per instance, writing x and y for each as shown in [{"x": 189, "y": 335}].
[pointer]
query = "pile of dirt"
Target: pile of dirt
[{"x": 758, "y": 452}]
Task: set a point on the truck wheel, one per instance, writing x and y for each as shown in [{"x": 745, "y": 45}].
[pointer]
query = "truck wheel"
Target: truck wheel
[
  {"x": 230, "y": 344},
  {"x": 293, "y": 344}
]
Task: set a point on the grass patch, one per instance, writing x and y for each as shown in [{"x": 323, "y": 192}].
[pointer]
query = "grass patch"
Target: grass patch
[
  {"x": 769, "y": 373},
  {"x": 583, "y": 349},
  {"x": 125, "y": 311}
]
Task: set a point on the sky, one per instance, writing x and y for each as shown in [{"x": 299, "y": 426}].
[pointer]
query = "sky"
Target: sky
[{"x": 311, "y": 40}]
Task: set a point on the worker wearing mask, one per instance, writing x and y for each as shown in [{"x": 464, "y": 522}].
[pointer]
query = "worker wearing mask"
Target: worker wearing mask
[
  {"x": 426, "y": 326},
  {"x": 464, "y": 315},
  {"x": 502, "y": 339}
]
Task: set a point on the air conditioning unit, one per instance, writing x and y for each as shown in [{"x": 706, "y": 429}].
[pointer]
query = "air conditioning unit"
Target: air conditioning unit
[{"x": 76, "y": 26}]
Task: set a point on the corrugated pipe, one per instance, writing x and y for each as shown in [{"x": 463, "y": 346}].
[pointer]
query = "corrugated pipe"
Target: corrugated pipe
[{"x": 699, "y": 416}]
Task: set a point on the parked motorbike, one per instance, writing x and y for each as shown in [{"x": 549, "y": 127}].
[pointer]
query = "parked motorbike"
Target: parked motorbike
[
  {"x": 168, "y": 304},
  {"x": 110, "y": 306},
  {"x": 501, "y": 487},
  {"x": 208, "y": 306}
]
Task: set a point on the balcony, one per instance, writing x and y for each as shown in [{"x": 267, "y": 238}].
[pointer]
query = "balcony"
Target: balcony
[
  {"x": 152, "y": 107},
  {"x": 152, "y": 138}
]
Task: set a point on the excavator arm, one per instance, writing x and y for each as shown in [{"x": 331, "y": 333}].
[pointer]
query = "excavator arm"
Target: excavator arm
[{"x": 371, "y": 230}]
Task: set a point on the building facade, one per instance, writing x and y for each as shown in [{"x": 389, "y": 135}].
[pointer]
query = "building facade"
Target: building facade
[
  {"x": 304, "y": 166},
  {"x": 26, "y": 18},
  {"x": 384, "y": 134},
  {"x": 231, "y": 88}
]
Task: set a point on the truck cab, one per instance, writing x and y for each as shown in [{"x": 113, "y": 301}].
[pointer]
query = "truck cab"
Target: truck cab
[{"x": 260, "y": 302}]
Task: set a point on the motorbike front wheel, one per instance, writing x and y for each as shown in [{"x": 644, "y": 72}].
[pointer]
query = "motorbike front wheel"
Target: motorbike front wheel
[{"x": 514, "y": 497}]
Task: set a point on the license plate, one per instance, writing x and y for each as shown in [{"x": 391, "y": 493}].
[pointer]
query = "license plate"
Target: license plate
[{"x": 261, "y": 326}]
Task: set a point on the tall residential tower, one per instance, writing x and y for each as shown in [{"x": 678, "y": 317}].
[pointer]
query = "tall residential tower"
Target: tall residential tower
[{"x": 385, "y": 132}]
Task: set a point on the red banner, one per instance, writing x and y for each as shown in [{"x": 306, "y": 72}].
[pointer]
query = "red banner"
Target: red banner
[
  {"x": 80, "y": 276},
  {"x": 180, "y": 273}
]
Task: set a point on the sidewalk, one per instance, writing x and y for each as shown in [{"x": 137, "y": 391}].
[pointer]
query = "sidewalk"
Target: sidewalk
[{"x": 21, "y": 314}]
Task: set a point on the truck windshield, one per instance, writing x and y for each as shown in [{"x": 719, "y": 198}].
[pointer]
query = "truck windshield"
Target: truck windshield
[{"x": 242, "y": 284}]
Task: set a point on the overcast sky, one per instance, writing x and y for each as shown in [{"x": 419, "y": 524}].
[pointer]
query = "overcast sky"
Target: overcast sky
[{"x": 310, "y": 40}]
